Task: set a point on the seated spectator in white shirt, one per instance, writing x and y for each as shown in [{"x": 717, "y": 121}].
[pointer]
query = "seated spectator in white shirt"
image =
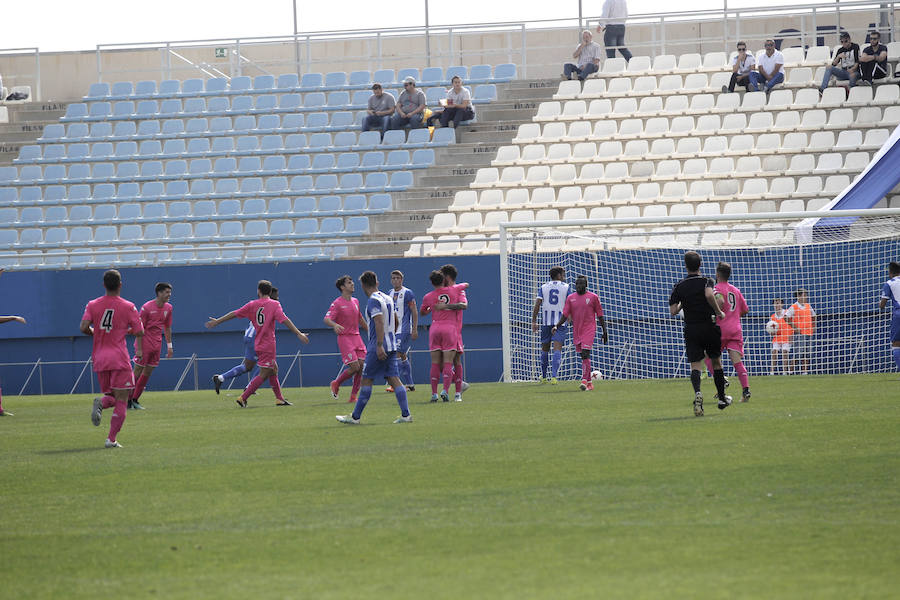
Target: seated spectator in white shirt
[
  {"x": 847, "y": 56},
  {"x": 588, "y": 56},
  {"x": 769, "y": 68},
  {"x": 741, "y": 67},
  {"x": 873, "y": 60},
  {"x": 457, "y": 105}
]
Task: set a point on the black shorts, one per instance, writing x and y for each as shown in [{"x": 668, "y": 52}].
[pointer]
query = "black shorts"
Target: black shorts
[{"x": 702, "y": 339}]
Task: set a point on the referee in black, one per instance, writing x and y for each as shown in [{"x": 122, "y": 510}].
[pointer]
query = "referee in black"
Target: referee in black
[{"x": 695, "y": 295}]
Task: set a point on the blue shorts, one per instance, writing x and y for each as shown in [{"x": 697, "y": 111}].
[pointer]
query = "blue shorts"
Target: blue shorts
[
  {"x": 377, "y": 370},
  {"x": 559, "y": 336},
  {"x": 404, "y": 343},
  {"x": 895, "y": 328},
  {"x": 249, "y": 350}
]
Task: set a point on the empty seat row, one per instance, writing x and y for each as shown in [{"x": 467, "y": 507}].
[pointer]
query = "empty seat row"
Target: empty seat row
[
  {"x": 153, "y": 211},
  {"x": 290, "y": 82},
  {"x": 202, "y": 231},
  {"x": 238, "y": 105},
  {"x": 784, "y": 121}
]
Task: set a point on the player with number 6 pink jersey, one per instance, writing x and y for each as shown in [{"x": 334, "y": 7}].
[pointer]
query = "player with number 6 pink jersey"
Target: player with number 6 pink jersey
[{"x": 263, "y": 314}]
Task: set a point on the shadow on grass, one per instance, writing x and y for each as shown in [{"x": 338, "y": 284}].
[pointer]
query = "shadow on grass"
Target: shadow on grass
[
  {"x": 666, "y": 419},
  {"x": 71, "y": 450}
]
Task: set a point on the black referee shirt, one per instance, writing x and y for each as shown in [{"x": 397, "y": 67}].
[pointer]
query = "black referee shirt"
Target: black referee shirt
[{"x": 691, "y": 292}]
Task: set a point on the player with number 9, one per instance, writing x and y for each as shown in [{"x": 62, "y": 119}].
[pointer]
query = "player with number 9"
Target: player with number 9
[
  {"x": 263, "y": 313},
  {"x": 734, "y": 306}
]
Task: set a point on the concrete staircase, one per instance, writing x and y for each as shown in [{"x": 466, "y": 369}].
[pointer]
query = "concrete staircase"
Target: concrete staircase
[
  {"x": 26, "y": 123},
  {"x": 455, "y": 166}
]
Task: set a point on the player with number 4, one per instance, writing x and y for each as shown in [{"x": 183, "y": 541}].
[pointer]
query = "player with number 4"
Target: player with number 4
[
  {"x": 263, "y": 314},
  {"x": 584, "y": 308}
]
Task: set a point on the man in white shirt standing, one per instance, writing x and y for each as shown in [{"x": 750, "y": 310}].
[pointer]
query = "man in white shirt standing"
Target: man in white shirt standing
[
  {"x": 588, "y": 56},
  {"x": 743, "y": 64},
  {"x": 612, "y": 25},
  {"x": 769, "y": 68}
]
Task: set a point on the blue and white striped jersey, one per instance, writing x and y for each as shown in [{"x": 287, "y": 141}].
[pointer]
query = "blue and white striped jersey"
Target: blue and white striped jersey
[
  {"x": 381, "y": 304},
  {"x": 891, "y": 291},
  {"x": 250, "y": 333},
  {"x": 553, "y": 296},
  {"x": 402, "y": 298}
]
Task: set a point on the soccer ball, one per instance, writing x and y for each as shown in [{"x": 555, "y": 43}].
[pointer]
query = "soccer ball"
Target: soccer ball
[
  {"x": 596, "y": 375},
  {"x": 771, "y": 327}
]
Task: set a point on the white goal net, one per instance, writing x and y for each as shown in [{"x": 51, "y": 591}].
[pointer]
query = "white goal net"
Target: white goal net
[{"x": 633, "y": 264}]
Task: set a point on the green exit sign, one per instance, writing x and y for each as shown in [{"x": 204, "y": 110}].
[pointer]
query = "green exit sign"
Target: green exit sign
[{"x": 221, "y": 52}]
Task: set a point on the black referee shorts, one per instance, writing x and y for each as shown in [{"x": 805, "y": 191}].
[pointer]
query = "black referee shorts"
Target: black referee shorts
[{"x": 702, "y": 339}]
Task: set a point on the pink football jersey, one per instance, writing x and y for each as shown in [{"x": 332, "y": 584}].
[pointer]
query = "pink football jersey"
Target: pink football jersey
[
  {"x": 735, "y": 305},
  {"x": 583, "y": 310},
  {"x": 346, "y": 314},
  {"x": 263, "y": 313},
  {"x": 447, "y": 295},
  {"x": 112, "y": 318},
  {"x": 155, "y": 319}
]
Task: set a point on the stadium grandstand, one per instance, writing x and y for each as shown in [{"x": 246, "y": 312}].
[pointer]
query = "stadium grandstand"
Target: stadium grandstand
[{"x": 239, "y": 152}]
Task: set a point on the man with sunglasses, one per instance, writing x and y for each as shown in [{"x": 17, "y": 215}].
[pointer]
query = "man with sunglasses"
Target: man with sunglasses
[
  {"x": 410, "y": 108},
  {"x": 847, "y": 56},
  {"x": 873, "y": 60},
  {"x": 741, "y": 67},
  {"x": 769, "y": 68}
]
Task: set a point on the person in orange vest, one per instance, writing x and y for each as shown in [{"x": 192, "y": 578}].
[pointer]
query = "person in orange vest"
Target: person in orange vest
[
  {"x": 802, "y": 318},
  {"x": 781, "y": 338}
]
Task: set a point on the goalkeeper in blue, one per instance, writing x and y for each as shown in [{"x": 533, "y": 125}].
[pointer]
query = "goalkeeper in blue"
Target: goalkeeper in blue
[
  {"x": 549, "y": 304},
  {"x": 890, "y": 293}
]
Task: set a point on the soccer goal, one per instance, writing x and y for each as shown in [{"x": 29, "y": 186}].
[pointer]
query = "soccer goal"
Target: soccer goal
[{"x": 633, "y": 263}]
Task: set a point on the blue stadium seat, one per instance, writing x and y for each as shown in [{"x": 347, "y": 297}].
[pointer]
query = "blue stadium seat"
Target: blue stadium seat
[
  {"x": 375, "y": 182},
  {"x": 128, "y": 191},
  {"x": 408, "y": 72},
  {"x": 311, "y": 82},
  {"x": 80, "y": 213},
  {"x": 423, "y": 158},
  {"x": 480, "y": 74},
  {"x": 97, "y": 91},
  {"x": 265, "y": 103},
  {"x": 287, "y": 82},
  {"x": 360, "y": 99},
  {"x": 76, "y": 132},
  {"x": 335, "y": 80},
  {"x": 443, "y": 136},
  {"x": 121, "y": 90},
  {"x": 75, "y": 112},
  {"x": 247, "y": 144},
  {"x": 101, "y": 130},
  {"x": 8, "y": 238},
  {"x": 122, "y": 110},
  {"x": 433, "y": 95},
  {"x": 299, "y": 162},
  {"x": 256, "y": 228},
  {"x": 216, "y": 86},
  {"x": 55, "y": 215},
  {"x": 225, "y": 166},
  {"x": 28, "y": 154},
  {"x": 101, "y": 150},
  {"x": 505, "y": 72},
  {"x": 200, "y": 167},
  {"x": 191, "y": 87},
  {"x": 283, "y": 251},
  {"x": 103, "y": 192},
  {"x": 359, "y": 80},
  {"x": 289, "y": 103},
  {"x": 129, "y": 211},
  {"x": 306, "y": 227},
  {"x": 170, "y": 108},
  {"x": 319, "y": 140},
  {"x": 31, "y": 237},
  {"x": 347, "y": 161},
  {"x": 273, "y": 165},
  {"x": 301, "y": 184},
  {"x": 127, "y": 170},
  {"x": 393, "y": 138},
  {"x": 240, "y": 85},
  {"x": 220, "y": 125},
  {"x": 399, "y": 158},
  {"x": 222, "y": 146},
  {"x": 56, "y": 236},
  {"x": 269, "y": 124},
  {"x": 356, "y": 226},
  {"x": 350, "y": 183},
  {"x": 80, "y": 235},
  {"x": 243, "y": 124},
  {"x": 385, "y": 77},
  {"x": 314, "y": 100},
  {"x": 146, "y": 108},
  {"x": 271, "y": 143},
  {"x": 149, "y": 149},
  {"x": 330, "y": 226},
  {"x": 241, "y": 104},
  {"x": 55, "y": 193},
  {"x": 217, "y": 105},
  {"x": 202, "y": 209},
  {"x": 431, "y": 76},
  {"x": 263, "y": 83},
  {"x": 194, "y": 107},
  {"x": 31, "y": 215},
  {"x": 380, "y": 203},
  {"x": 201, "y": 188},
  {"x": 176, "y": 190},
  {"x": 368, "y": 140},
  {"x": 326, "y": 183},
  {"x": 197, "y": 126},
  {"x": 344, "y": 141},
  {"x": 279, "y": 206},
  {"x": 322, "y": 163},
  {"x": 197, "y": 147},
  {"x": 30, "y": 195},
  {"x": 168, "y": 88},
  {"x": 251, "y": 186},
  {"x": 372, "y": 161},
  {"x": 144, "y": 89},
  {"x": 79, "y": 172},
  {"x": 341, "y": 120},
  {"x": 174, "y": 148},
  {"x": 230, "y": 253},
  {"x": 52, "y": 133},
  {"x": 249, "y": 165},
  {"x": 485, "y": 94},
  {"x": 315, "y": 122},
  {"x": 418, "y": 138},
  {"x": 98, "y": 111},
  {"x": 105, "y": 234},
  {"x": 295, "y": 141},
  {"x": 254, "y": 207},
  {"x": 8, "y": 195},
  {"x": 31, "y": 173},
  {"x": 126, "y": 150},
  {"x": 228, "y": 208},
  {"x": 280, "y": 228},
  {"x": 400, "y": 181},
  {"x": 150, "y": 191},
  {"x": 304, "y": 205},
  {"x": 101, "y": 172},
  {"x": 54, "y": 174},
  {"x": 339, "y": 99},
  {"x": 153, "y": 232},
  {"x": 77, "y": 152},
  {"x": 291, "y": 123},
  {"x": 147, "y": 129},
  {"x": 461, "y": 72},
  {"x": 354, "y": 203},
  {"x": 329, "y": 205},
  {"x": 123, "y": 130},
  {"x": 206, "y": 231},
  {"x": 174, "y": 127}
]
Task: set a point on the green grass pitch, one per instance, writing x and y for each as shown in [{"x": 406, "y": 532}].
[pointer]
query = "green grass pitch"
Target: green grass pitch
[{"x": 520, "y": 491}]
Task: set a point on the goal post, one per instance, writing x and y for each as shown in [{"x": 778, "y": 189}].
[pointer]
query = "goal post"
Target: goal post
[{"x": 632, "y": 264}]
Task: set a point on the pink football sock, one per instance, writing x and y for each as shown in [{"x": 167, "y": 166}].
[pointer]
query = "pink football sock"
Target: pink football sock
[
  {"x": 118, "y": 419},
  {"x": 139, "y": 387},
  {"x": 254, "y": 385},
  {"x": 357, "y": 381},
  {"x": 435, "y": 377},
  {"x": 344, "y": 376},
  {"x": 276, "y": 387},
  {"x": 586, "y": 369},
  {"x": 743, "y": 377},
  {"x": 108, "y": 401},
  {"x": 457, "y": 377},
  {"x": 448, "y": 376}
]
